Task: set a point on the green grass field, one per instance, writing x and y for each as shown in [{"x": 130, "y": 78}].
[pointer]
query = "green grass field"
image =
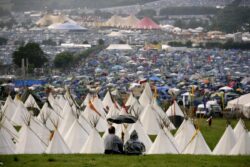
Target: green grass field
[{"x": 211, "y": 135}]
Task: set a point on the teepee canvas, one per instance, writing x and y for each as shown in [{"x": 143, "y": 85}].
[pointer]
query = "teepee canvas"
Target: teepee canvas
[
  {"x": 76, "y": 137},
  {"x": 226, "y": 142},
  {"x": 197, "y": 145},
  {"x": 163, "y": 145},
  {"x": 184, "y": 134},
  {"x": 57, "y": 145},
  {"x": 239, "y": 128},
  {"x": 94, "y": 144},
  {"x": 242, "y": 146}
]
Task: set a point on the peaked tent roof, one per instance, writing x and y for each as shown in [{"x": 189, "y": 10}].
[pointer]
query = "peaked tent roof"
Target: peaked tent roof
[
  {"x": 147, "y": 23},
  {"x": 29, "y": 142},
  {"x": 76, "y": 137},
  {"x": 242, "y": 146},
  {"x": 149, "y": 119},
  {"x": 226, "y": 142},
  {"x": 163, "y": 145},
  {"x": 174, "y": 109},
  {"x": 57, "y": 145},
  {"x": 184, "y": 134},
  {"x": 6, "y": 144},
  {"x": 239, "y": 128},
  {"x": 94, "y": 144},
  {"x": 197, "y": 145}
]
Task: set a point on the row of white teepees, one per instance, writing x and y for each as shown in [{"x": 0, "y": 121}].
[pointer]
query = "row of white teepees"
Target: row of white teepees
[{"x": 64, "y": 127}]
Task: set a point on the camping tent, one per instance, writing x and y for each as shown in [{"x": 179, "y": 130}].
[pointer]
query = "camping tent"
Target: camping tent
[{"x": 147, "y": 23}]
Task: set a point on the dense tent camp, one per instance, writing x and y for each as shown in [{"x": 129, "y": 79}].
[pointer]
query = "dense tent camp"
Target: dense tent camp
[
  {"x": 49, "y": 19},
  {"x": 69, "y": 26},
  {"x": 147, "y": 23},
  {"x": 122, "y": 22}
]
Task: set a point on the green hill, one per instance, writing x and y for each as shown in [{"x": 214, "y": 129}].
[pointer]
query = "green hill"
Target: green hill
[{"x": 65, "y": 4}]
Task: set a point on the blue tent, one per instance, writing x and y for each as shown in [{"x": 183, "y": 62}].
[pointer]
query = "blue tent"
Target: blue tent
[
  {"x": 22, "y": 83},
  {"x": 155, "y": 78}
]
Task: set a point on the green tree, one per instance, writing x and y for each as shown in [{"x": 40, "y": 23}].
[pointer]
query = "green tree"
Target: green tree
[
  {"x": 32, "y": 53},
  {"x": 3, "y": 41},
  {"x": 63, "y": 59},
  {"x": 147, "y": 12}
]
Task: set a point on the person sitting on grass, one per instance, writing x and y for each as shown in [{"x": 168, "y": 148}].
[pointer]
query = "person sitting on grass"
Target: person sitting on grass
[
  {"x": 113, "y": 144},
  {"x": 133, "y": 146}
]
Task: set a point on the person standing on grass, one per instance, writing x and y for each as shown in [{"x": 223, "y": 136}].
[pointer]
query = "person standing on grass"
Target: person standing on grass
[
  {"x": 113, "y": 144},
  {"x": 133, "y": 146}
]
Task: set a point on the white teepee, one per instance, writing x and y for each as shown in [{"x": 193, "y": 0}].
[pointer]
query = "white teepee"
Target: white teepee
[
  {"x": 226, "y": 143},
  {"x": 146, "y": 96},
  {"x": 239, "y": 128},
  {"x": 242, "y": 146},
  {"x": 197, "y": 145},
  {"x": 31, "y": 102},
  {"x": 6, "y": 143},
  {"x": 174, "y": 110},
  {"x": 29, "y": 142},
  {"x": 18, "y": 117},
  {"x": 9, "y": 107},
  {"x": 184, "y": 134},
  {"x": 94, "y": 144},
  {"x": 57, "y": 145},
  {"x": 76, "y": 137},
  {"x": 107, "y": 100},
  {"x": 163, "y": 145},
  {"x": 149, "y": 119}
]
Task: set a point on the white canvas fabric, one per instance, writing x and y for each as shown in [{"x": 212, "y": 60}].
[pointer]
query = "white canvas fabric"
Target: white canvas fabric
[
  {"x": 18, "y": 117},
  {"x": 107, "y": 100},
  {"x": 29, "y": 142},
  {"x": 57, "y": 145},
  {"x": 197, "y": 145},
  {"x": 184, "y": 134},
  {"x": 174, "y": 109},
  {"x": 76, "y": 137},
  {"x": 94, "y": 144},
  {"x": 226, "y": 142},
  {"x": 163, "y": 145},
  {"x": 149, "y": 120},
  {"x": 9, "y": 107},
  {"x": 31, "y": 102},
  {"x": 242, "y": 146},
  {"x": 239, "y": 128},
  {"x": 6, "y": 136}
]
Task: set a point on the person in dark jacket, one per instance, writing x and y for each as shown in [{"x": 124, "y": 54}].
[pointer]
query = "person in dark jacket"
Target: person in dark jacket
[{"x": 133, "y": 146}]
